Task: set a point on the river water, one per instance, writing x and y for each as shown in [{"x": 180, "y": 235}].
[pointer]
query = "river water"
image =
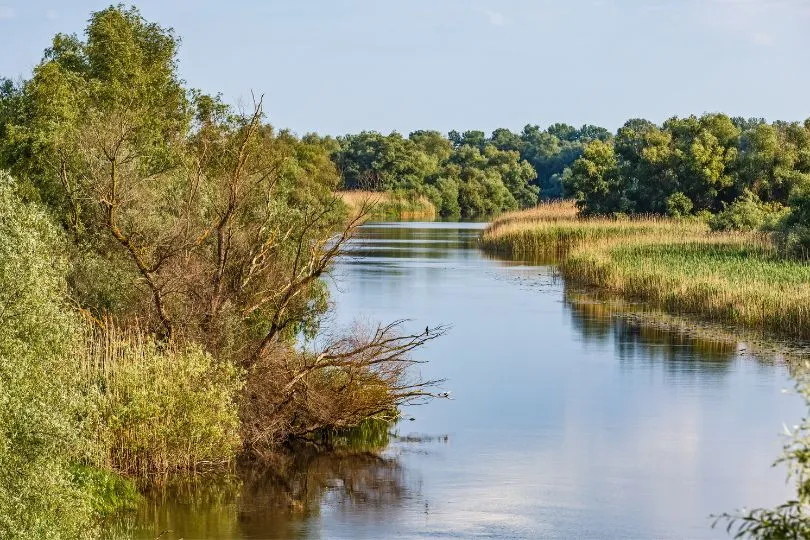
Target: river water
[{"x": 564, "y": 422}]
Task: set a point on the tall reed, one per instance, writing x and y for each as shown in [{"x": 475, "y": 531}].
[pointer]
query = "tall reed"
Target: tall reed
[
  {"x": 677, "y": 265},
  {"x": 389, "y": 205},
  {"x": 157, "y": 407}
]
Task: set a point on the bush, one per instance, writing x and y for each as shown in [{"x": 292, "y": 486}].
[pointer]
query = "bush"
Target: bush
[
  {"x": 794, "y": 229},
  {"x": 39, "y": 401},
  {"x": 747, "y": 213},
  {"x": 161, "y": 408},
  {"x": 679, "y": 205}
]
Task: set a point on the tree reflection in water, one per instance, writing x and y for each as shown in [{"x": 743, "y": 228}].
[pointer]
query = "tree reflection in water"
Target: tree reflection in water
[{"x": 279, "y": 498}]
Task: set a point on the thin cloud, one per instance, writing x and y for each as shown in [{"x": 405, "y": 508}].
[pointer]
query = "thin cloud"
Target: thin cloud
[
  {"x": 759, "y": 22},
  {"x": 495, "y": 18},
  {"x": 7, "y": 13},
  {"x": 762, "y": 38}
]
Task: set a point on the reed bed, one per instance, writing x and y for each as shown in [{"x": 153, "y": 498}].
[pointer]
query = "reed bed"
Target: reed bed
[
  {"x": 387, "y": 205},
  {"x": 158, "y": 408},
  {"x": 563, "y": 210},
  {"x": 679, "y": 266},
  {"x": 541, "y": 236}
]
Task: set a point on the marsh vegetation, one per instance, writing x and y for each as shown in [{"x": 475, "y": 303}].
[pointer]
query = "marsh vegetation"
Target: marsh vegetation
[{"x": 162, "y": 257}]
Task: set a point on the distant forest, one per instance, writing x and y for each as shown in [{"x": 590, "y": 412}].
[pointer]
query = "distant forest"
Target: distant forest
[
  {"x": 687, "y": 166},
  {"x": 465, "y": 174}
]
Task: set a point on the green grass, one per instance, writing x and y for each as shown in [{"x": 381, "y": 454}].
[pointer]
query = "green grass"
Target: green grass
[
  {"x": 737, "y": 283},
  {"x": 679, "y": 266}
]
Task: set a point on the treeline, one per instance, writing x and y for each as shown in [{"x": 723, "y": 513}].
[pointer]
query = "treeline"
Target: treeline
[
  {"x": 739, "y": 174},
  {"x": 466, "y": 174},
  {"x": 160, "y": 256}
]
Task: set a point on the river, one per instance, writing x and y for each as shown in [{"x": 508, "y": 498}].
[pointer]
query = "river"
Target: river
[{"x": 563, "y": 422}]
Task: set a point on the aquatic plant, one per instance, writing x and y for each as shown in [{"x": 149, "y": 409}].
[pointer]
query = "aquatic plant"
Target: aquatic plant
[
  {"x": 677, "y": 265},
  {"x": 158, "y": 407},
  {"x": 389, "y": 206}
]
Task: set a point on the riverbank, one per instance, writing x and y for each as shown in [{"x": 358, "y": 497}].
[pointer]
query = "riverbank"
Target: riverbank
[
  {"x": 676, "y": 265},
  {"x": 388, "y": 206}
]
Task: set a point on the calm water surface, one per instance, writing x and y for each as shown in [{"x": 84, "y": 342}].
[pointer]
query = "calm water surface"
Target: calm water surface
[{"x": 564, "y": 422}]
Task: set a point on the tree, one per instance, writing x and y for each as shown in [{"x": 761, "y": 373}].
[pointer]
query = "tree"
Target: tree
[
  {"x": 595, "y": 181},
  {"x": 503, "y": 139},
  {"x": 706, "y": 151},
  {"x": 647, "y": 163}
]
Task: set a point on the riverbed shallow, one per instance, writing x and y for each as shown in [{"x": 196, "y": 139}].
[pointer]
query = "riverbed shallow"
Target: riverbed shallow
[{"x": 564, "y": 422}]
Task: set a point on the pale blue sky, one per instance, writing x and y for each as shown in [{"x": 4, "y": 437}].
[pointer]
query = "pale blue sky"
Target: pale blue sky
[{"x": 337, "y": 66}]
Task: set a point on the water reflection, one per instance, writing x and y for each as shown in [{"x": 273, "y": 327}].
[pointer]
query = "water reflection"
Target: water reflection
[
  {"x": 280, "y": 497},
  {"x": 639, "y": 338},
  {"x": 572, "y": 417},
  {"x": 642, "y": 333}
]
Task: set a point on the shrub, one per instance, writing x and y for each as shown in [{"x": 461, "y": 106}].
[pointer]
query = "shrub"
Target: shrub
[
  {"x": 679, "y": 205},
  {"x": 161, "y": 408},
  {"x": 794, "y": 229},
  {"x": 747, "y": 213},
  {"x": 38, "y": 386}
]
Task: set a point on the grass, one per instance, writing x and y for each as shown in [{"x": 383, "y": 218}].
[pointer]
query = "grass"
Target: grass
[
  {"x": 554, "y": 230},
  {"x": 159, "y": 408},
  {"x": 679, "y": 266},
  {"x": 389, "y": 205}
]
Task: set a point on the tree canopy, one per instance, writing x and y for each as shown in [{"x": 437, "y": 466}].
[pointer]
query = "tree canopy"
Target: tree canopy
[{"x": 692, "y": 165}]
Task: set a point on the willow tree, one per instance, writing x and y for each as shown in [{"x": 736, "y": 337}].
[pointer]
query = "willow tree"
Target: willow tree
[{"x": 194, "y": 220}]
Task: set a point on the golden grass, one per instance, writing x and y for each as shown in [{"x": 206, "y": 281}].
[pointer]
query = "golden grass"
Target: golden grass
[
  {"x": 553, "y": 230},
  {"x": 565, "y": 210},
  {"x": 158, "y": 408},
  {"x": 387, "y": 205},
  {"x": 676, "y": 265}
]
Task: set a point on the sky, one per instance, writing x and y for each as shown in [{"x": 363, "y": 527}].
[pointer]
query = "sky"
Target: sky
[{"x": 341, "y": 66}]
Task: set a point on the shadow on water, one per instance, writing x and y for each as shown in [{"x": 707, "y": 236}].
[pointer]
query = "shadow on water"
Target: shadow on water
[
  {"x": 640, "y": 333},
  {"x": 282, "y": 496}
]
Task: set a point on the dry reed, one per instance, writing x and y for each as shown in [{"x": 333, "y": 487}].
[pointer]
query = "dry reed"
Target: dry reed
[
  {"x": 387, "y": 205},
  {"x": 158, "y": 408},
  {"x": 676, "y": 265}
]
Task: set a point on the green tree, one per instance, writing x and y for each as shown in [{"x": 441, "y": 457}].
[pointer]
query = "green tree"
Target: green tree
[
  {"x": 706, "y": 152},
  {"x": 647, "y": 163},
  {"x": 595, "y": 182}
]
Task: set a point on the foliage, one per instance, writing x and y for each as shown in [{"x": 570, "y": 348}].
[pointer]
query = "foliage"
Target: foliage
[
  {"x": 107, "y": 491},
  {"x": 466, "y": 174},
  {"x": 39, "y": 397},
  {"x": 794, "y": 231},
  {"x": 697, "y": 164},
  {"x": 204, "y": 234},
  {"x": 160, "y": 408},
  {"x": 748, "y": 213},
  {"x": 594, "y": 182},
  {"x": 679, "y": 205},
  {"x": 469, "y": 180}
]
